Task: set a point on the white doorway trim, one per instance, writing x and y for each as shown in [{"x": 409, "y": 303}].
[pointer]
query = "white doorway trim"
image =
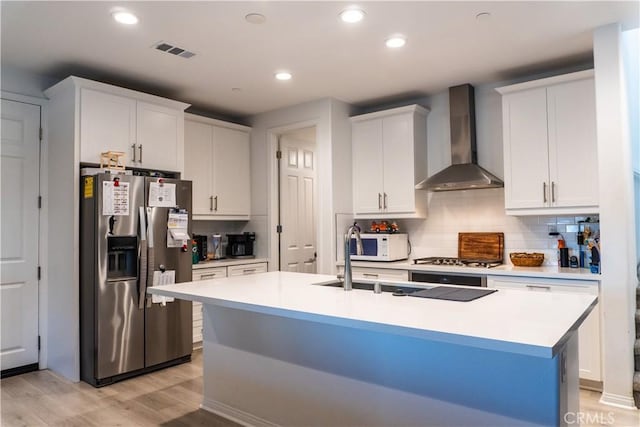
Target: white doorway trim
[
  {"x": 43, "y": 285},
  {"x": 273, "y": 206}
]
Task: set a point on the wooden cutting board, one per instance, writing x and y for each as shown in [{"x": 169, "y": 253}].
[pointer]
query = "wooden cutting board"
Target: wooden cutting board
[{"x": 481, "y": 246}]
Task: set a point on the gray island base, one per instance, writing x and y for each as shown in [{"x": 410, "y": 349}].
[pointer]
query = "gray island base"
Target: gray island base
[{"x": 280, "y": 351}]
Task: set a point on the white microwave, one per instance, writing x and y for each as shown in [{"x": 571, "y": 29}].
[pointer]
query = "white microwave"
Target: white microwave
[{"x": 381, "y": 247}]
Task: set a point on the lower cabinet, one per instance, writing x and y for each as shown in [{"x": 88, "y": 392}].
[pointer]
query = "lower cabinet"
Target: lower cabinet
[
  {"x": 589, "y": 332},
  {"x": 246, "y": 269},
  {"x": 377, "y": 273},
  {"x": 217, "y": 273},
  {"x": 203, "y": 274}
]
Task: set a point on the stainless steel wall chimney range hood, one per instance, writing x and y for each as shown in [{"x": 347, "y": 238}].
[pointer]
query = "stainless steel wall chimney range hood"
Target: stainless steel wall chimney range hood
[{"x": 464, "y": 172}]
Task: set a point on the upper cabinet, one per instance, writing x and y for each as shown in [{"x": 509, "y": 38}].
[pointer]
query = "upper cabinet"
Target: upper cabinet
[
  {"x": 217, "y": 161},
  {"x": 147, "y": 128},
  {"x": 550, "y": 147},
  {"x": 389, "y": 152}
]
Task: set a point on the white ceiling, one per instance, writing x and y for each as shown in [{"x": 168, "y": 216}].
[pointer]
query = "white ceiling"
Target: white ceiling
[{"x": 328, "y": 58}]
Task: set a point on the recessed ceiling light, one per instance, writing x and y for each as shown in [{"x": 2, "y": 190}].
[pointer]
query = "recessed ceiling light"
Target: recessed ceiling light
[
  {"x": 124, "y": 17},
  {"x": 352, "y": 15},
  {"x": 483, "y": 16},
  {"x": 283, "y": 75},
  {"x": 396, "y": 41},
  {"x": 255, "y": 18}
]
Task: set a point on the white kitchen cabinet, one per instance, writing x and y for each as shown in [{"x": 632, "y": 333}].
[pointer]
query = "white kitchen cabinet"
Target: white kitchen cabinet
[
  {"x": 99, "y": 134},
  {"x": 377, "y": 273},
  {"x": 550, "y": 147},
  {"x": 246, "y": 269},
  {"x": 147, "y": 128},
  {"x": 589, "y": 332},
  {"x": 217, "y": 161},
  {"x": 203, "y": 274},
  {"x": 160, "y": 137},
  {"x": 389, "y": 157}
]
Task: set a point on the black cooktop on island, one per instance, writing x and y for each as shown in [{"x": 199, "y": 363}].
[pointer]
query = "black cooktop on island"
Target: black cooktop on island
[
  {"x": 452, "y": 294},
  {"x": 457, "y": 262}
]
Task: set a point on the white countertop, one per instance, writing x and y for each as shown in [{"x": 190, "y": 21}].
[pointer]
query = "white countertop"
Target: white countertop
[
  {"x": 533, "y": 323},
  {"x": 502, "y": 270},
  {"x": 227, "y": 262}
]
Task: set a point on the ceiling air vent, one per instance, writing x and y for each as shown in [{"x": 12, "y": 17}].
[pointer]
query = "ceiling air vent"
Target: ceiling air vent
[{"x": 173, "y": 50}]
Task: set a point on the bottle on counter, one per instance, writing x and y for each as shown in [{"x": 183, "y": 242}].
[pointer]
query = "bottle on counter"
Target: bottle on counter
[{"x": 195, "y": 256}]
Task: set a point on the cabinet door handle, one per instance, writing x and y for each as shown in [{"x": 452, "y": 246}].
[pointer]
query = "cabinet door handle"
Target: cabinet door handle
[
  {"x": 140, "y": 148},
  {"x": 544, "y": 192},
  {"x": 546, "y": 288},
  {"x": 216, "y": 205},
  {"x": 133, "y": 147},
  {"x": 379, "y": 201},
  {"x": 211, "y": 203},
  {"x": 553, "y": 191},
  {"x": 385, "y": 200}
]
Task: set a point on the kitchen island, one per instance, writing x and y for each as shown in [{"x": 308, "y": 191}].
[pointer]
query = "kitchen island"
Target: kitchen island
[{"x": 279, "y": 349}]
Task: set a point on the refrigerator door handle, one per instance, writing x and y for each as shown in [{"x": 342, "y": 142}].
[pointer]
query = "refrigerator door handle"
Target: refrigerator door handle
[
  {"x": 143, "y": 260},
  {"x": 143, "y": 274},
  {"x": 150, "y": 253}
]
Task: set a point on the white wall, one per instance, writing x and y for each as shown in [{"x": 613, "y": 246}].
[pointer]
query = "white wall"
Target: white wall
[
  {"x": 24, "y": 83},
  {"x": 630, "y": 51},
  {"x": 618, "y": 279},
  {"x": 331, "y": 119}
]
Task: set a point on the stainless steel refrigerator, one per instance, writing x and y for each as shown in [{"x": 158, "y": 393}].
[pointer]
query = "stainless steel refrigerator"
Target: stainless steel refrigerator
[{"x": 124, "y": 242}]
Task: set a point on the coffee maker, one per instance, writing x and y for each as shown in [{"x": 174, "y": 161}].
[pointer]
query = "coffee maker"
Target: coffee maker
[{"x": 241, "y": 245}]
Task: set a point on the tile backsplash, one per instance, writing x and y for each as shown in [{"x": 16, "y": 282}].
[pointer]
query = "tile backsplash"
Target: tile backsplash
[
  {"x": 483, "y": 211},
  {"x": 256, "y": 225}
]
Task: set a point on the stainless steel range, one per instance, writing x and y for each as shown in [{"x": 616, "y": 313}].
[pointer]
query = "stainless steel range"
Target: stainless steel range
[
  {"x": 483, "y": 250},
  {"x": 457, "y": 262}
]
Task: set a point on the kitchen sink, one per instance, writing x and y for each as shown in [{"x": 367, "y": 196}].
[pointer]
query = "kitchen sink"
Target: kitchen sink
[{"x": 368, "y": 286}]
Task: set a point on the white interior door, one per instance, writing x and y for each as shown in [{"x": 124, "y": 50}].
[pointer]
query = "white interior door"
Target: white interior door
[
  {"x": 297, "y": 205},
  {"x": 19, "y": 225}
]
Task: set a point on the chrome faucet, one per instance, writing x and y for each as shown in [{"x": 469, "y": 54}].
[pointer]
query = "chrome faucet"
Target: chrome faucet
[{"x": 348, "y": 276}]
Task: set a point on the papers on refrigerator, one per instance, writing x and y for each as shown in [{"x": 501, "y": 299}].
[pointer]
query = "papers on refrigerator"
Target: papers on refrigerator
[
  {"x": 115, "y": 199},
  {"x": 168, "y": 277},
  {"x": 162, "y": 195},
  {"x": 177, "y": 226}
]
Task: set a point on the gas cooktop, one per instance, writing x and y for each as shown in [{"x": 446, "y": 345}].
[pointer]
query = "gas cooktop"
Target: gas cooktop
[{"x": 457, "y": 262}]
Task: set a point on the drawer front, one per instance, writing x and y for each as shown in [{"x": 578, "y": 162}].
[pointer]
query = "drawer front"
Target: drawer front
[
  {"x": 379, "y": 274},
  {"x": 197, "y": 311},
  {"x": 543, "y": 284},
  {"x": 246, "y": 269},
  {"x": 209, "y": 273}
]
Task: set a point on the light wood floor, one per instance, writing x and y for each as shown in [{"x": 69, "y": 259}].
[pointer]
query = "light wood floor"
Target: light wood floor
[{"x": 170, "y": 397}]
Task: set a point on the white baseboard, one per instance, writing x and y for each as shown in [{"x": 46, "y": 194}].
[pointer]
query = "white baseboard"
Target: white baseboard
[
  {"x": 618, "y": 401},
  {"x": 235, "y": 415}
]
